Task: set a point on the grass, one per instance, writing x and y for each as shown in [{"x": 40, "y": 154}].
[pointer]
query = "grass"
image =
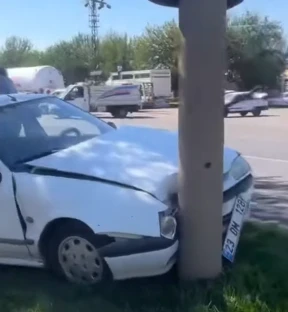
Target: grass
[{"x": 258, "y": 282}]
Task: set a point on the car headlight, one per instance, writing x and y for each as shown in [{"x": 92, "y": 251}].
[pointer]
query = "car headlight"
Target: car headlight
[
  {"x": 168, "y": 225},
  {"x": 240, "y": 168}
]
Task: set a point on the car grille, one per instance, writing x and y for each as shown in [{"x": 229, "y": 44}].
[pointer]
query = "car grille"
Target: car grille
[{"x": 241, "y": 187}]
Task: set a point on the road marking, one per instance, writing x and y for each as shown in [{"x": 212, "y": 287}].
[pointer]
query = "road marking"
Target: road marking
[{"x": 267, "y": 159}]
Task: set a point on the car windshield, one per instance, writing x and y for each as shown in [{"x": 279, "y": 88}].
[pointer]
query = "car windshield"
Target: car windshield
[
  {"x": 37, "y": 128},
  {"x": 230, "y": 97}
]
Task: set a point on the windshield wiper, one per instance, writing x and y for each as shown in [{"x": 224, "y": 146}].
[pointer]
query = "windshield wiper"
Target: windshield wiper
[{"x": 34, "y": 157}]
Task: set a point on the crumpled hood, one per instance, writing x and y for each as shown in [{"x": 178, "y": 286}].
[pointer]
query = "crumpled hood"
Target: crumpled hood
[{"x": 141, "y": 157}]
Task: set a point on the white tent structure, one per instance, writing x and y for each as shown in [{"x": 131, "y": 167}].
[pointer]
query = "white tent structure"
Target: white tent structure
[{"x": 36, "y": 79}]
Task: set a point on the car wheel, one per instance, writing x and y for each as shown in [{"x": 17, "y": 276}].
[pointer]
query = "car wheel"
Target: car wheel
[
  {"x": 119, "y": 113},
  {"x": 73, "y": 252},
  {"x": 243, "y": 114},
  {"x": 256, "y": 112}
]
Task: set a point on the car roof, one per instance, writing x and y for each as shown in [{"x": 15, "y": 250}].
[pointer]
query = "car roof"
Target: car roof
[{"x": 8, "y": 99}]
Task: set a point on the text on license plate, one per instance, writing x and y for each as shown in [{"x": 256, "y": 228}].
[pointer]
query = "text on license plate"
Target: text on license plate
[{"x": 234, "y": 229}]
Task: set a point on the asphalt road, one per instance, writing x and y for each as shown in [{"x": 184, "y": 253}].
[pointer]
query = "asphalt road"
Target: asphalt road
[{"x": 262, "y": 140}]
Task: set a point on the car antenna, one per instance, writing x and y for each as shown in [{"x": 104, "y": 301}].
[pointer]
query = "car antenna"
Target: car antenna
[{"x": 12, "y": 97}]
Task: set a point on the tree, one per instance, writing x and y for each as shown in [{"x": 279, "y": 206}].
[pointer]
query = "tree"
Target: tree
[
  {"x": 76, "y": 58},
  {"x": 116, "y": 49},
  {"x": 159, "y": 47},
  {"x": 18, "y": 52},
  {"x": 73, "y": 58},
  {"x": 255, "y": 51}
]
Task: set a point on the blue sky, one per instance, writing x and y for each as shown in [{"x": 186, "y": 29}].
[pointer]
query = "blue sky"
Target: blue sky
[{"x": 47, "y": 21}]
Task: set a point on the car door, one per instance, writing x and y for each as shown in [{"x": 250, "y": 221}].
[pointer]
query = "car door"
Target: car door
[
  {"x": 12, "y": 242},
  {"x": 238, "y": 103},
  {"x": 76, "y": 96}
]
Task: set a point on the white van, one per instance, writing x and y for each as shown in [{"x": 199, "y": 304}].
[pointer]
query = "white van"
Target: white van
[{"x": 160, "y": 78}]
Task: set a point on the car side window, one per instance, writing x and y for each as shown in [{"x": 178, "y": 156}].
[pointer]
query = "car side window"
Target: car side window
[
  {"x": 241, "y": 97},
  {"x": 55, "y": 121},
  {"x": 77, "y": 92}
]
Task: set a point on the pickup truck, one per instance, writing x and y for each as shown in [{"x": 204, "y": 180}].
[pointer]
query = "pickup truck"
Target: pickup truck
[{"x": 118, "y": 101}]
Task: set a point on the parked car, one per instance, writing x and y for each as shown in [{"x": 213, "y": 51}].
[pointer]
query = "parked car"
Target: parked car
[
  {"x": 281, "y": 101},
  {"x": 90, "y": 201},
  {"x": 245, "y": 102}
]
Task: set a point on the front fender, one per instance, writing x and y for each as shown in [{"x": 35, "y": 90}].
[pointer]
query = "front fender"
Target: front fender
[{"x": 105, "y": 208}]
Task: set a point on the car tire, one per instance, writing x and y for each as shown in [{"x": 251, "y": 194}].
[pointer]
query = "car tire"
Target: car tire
[
  {"x": 256, "y": 112},
  {"x": 243, "y": 114},
  {"x": 119, "y": 113},
  {"x": 72, "y": 252}
]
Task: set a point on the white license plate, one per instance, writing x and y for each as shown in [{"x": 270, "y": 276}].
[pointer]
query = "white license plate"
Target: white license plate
[{"x": 234, "y": 230}]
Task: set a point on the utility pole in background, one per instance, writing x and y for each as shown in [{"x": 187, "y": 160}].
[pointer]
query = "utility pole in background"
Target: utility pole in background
[
  {"x": 95, "y": 6},
  {"x": 201, "y": 134}
]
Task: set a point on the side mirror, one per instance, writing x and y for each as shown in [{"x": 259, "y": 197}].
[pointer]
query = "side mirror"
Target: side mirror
[{"x": 111, "y": 124}]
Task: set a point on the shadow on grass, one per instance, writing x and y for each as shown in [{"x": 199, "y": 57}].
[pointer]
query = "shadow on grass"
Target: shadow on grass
[
  {"x": 271, "y": 195},
  {"x": 257, "y": 282},
  {"x": 35, "y": 290}
]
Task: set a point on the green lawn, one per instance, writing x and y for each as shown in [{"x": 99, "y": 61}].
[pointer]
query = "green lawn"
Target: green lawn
[{"x": 258, "y": 282}]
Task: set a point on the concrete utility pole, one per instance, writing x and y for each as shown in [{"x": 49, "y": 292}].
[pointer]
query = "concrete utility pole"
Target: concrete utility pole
[{"x": 201, "y": 134}]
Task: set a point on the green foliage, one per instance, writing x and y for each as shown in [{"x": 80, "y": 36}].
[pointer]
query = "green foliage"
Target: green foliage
[
  {"x": 18, "y": 52},
  {"x": 73, "y": 58},
  {"x": 255, "y": 52},
  {"x": 159, "y": 47},
  {"x": 115, "y": 50}
]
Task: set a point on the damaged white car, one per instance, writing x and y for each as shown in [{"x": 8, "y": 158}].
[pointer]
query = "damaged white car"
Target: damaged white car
[{"x": 92, "y": 202}]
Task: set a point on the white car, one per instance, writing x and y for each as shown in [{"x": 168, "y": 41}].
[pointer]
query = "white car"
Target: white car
[
  {"x": 281, "y": 101},
  {"x": 245, "y": 102},
  {"x": 90, "y": 201}
]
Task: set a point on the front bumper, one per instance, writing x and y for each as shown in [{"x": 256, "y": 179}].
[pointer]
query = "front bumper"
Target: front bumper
[
  {"x": 140, "y": 257},
  {"x": 132, "y": 258}
]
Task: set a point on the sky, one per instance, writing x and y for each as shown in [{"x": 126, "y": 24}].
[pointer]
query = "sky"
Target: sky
[{"x": 46, "y": 22}]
